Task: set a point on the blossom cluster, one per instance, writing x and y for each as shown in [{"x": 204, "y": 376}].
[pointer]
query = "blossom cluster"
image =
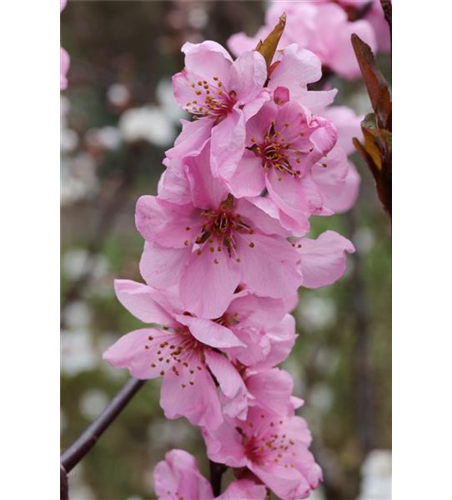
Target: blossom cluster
[
  {"x": 324, "y": 27},
  {"x": 226, "y": 249}
]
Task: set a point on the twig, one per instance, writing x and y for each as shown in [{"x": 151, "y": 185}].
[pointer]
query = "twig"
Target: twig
[
  {"x": 216, "y": 475},
  {"x": 72, "y": 455},
  {"x": 105, "y": 222},
  {"x": 363, "y": 386}
]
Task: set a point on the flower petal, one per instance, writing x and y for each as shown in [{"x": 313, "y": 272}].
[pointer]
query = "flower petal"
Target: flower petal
[
  {"x": 210, "y": 333},
  {"x": 208, "y": 283},
  {"x": 324, "y": 260},
  {"x": 140, "y": 300}
]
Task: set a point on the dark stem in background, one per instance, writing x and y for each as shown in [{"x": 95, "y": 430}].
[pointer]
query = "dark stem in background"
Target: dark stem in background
[
  {"x": 107, "y": 218},
  {"x": 72, "y": 455},
  {"x": 362, "y": 376},
  {"x": 216, "y": 475}
]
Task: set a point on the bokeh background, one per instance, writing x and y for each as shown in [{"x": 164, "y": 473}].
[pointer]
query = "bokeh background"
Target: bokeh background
[{"x": 118, "y": 117}]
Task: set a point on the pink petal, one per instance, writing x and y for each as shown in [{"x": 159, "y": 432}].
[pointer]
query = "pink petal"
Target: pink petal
[
  {"x": 286, "y": 483},
  {"x": 166, "y": 223},
  {"x": 269, "y": 265},
  {"x": 210, "y": 333},
  {"x": 130, "y": 352},
  {"x": 224, "y": 445},
  {"x": 231, "y": 384},
  {"x": 140, "y": 301},
  {"x": 296, "y": 68},
  {"x": 252, "y": 310},
  {"x": 64, "y": 68},
  {"x": 316, "y": 100},
  {"x": 261, "y": 214},
  {"x": 343, "y": 198},
  {"x": 173, "y": 185},
  {"x": 324, "y": 260},
  {"x": 178, "y": 476},
  {"x": 348, "y": 125},
  {"x": 343, "y": 60},
  {"x": 248, "y": 178},
  {"x": 282, "y": 339},
  {"x": 228, "y": 143},
  {"x": 244, "y": 489},
  {"x": 191, "y": 395},
  {"x": 208, "y": 283},
  {"x": 289, "y": 196},
  {"x": 272, "y": 390},
  {"x": 192, "y": 139},
  {"x": 247, "y": 76},
  {"x": 162, "y": 267},
  {"x": 207, "y": 59},
  {"x": 206, "y": 190}
]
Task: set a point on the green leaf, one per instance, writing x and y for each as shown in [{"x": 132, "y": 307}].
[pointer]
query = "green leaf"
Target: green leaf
[{"x": 268, "y": 47}]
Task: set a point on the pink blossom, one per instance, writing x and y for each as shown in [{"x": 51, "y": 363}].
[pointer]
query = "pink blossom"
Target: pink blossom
[
  {"x": 294, "y": 68},
  {"x": 275, "y": 449},
  {"x": 185, "y": 353},
  {"x": 64, "y": 57},
  {"x": 324, "y": 260},
  {"x": 283, "y": 143},
  {"x": 271, "y": 389},
  {"x": 244, "y": 489},
  {"x": 377, "y": 20},
  {"x": 348, "y": 125},
  {"x": 64, "y": 68},
  {"x": 268, "y": 334},
  {"x": 321, "y": 27},
  {"x": 339, "y": 184},
  {"x": 209, "y": 246},
  {"x": 222, "y": 94},
  {"x": 178, "y": 477}
]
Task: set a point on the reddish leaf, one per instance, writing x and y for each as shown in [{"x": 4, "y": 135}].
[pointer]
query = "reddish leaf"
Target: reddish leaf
[{"x": 377, "y": 87}]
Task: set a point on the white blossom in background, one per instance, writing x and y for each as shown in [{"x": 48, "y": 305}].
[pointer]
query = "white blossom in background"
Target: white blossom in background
[
  {"x": 376, "y": 474},
  {"x": 164, "y": 434},
  {"x": 78, "y": 178},
  {"x": 321, "y": 398},
  {"x": 77, "y": 314},
  {"x": 364, "y": 239},
  {"x": 78, "y": 489},
  {"x": 68, "y": 137},
  {"x": 76, "y": 261},
  {"x": 316, "y": 312},
  {"x": 198, "y": 17},
  {"x": 77, "y": 353},
  {"x": 92, "y": 403},
  {"x": 149, "y": 123},
  {"x": 108, "y": 138},
  {"x": 118, "y": 95},
  {"x": 168, "y": 104},
  {"x": 63, "y": 421}
]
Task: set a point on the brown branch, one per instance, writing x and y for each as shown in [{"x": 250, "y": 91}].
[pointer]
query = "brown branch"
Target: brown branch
[
  {"x": 72, "y": 455},
  {"x": 363, "y": 388},
  {"x": 216, "y": 475}
]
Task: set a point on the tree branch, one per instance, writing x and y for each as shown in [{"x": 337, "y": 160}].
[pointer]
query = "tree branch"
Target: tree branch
[
  {"x": 72, "y": 455},
  {"x": 216, "y": 475}
]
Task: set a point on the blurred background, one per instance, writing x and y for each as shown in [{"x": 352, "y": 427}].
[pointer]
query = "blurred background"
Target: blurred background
[{"x": 118, "y": 117}]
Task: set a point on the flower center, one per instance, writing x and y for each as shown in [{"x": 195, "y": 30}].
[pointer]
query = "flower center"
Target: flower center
[
  {"x": 278, "y": 153},
  {"x": 211, "y": 100},
  {"x": 269, "y": 446},
  {"x": 219, "y": 226}
]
